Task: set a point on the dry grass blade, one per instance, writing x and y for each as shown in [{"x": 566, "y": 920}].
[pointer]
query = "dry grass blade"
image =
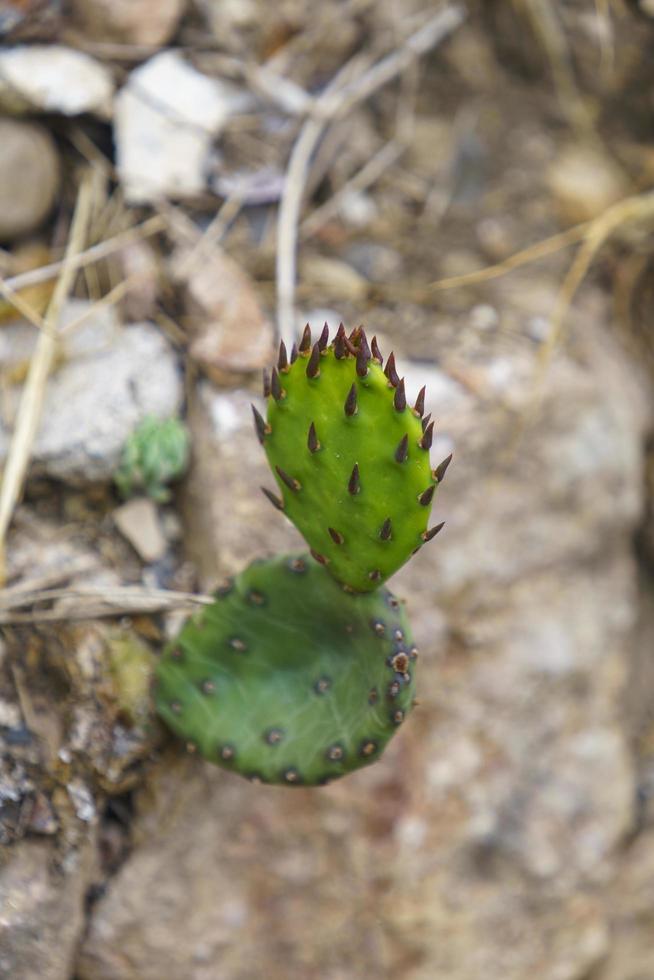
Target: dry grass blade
[
  {"x": 640, "y": 207},
  {"x": 31, "y": 403},
  {"x": 631, "y": 210},
  {"x": 540, "y": 250}
]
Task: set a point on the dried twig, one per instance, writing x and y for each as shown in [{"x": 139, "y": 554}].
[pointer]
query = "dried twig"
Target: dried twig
[
  {"x": 48, "y": 580},
  {"x": 97, "y": 252},
  {"x": 373, "y": 169},
  {"x": 348, "y": 88},
  {"x": 31, "y": 403},
  {"x": 92, "y": 602}
]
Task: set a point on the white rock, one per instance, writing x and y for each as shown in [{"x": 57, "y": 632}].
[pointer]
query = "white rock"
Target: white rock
[
  {"x": 52, "y": 78},
  {"x": 111, "y": 379},
  {"x": 166, "y": 118}
]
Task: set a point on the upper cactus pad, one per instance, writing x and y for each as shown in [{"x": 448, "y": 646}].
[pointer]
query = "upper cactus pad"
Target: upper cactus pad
[
  {"x": 286, "y": 679},
  {"x": 351, "y": 457}
]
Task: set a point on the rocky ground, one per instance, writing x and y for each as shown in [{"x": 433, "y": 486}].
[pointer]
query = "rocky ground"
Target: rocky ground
[{"x": 508, "y": 831}]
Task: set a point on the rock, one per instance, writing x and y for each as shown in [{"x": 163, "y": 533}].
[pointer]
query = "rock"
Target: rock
[
  {"x": 138, "y": 522},
  {"x": 138, "y": 22},
  {"x": 584, "y": 182},
  {"x": 484, "y": 841},
  {"x": 29, "y": 177},
  {"x": 166, "y": 117},
  {"x": 110, "y": 380},
  {"x": 232, "y": 335},
  {"x": 52, "y": 78},
  {"x": 43, "y": 913}
]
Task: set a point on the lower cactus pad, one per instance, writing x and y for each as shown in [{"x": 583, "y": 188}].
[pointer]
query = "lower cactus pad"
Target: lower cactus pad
[{"x": 287, "y": 679}]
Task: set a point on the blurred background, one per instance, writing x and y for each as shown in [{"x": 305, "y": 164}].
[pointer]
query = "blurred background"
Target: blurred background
[{"x": 182, "y": 183}]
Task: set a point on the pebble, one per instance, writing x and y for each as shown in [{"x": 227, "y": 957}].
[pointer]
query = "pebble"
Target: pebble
[
  {"x": 138, "y": 522},
  {"x": 584, "y": 182},
  {"x": 484, "y": 317},
  {"x": 29, "y": 177},
  {"x": 334, "y": 277}
]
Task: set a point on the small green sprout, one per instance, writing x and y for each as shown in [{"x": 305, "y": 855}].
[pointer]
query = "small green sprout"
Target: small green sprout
[{"x": 155, "y": 454}]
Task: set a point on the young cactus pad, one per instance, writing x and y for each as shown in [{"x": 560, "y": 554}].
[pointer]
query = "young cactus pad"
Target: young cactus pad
[
  {"x": 351, "y": 457},
  {"x": 287, "y": 679}
]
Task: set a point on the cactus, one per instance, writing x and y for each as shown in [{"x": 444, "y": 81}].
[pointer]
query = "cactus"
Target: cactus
[
  {"x": 287, "y": 679},
  {"x": 155, "y": 454},
  {"x": 302, "y": 668},
  {"x": 351, "y": 457}
]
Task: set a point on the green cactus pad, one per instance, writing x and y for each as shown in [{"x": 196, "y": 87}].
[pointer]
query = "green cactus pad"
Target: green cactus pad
[
  {"x": 351, "y": 457},
  {"x": 287, "y": 679}
]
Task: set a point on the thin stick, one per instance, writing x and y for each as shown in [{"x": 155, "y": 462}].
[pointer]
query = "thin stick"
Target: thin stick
[
  {"x": 94, "y": 603},
  {"x": 31, "y": 403},
  {"x": 47, "y": 580},
  {"x": 214, "y": 233},
  {"x": 289, "y": 213},
  {"x": 97, "y": 252},
  {"x": 338, "y": 98},
  {"x": 427, "y": 37},
  {"x": 107, "y": 595}
]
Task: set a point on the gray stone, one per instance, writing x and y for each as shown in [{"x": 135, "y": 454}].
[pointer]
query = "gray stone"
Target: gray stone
[
  {"x": 111, "y": 378},
  {"x": 29, "y": 177}
]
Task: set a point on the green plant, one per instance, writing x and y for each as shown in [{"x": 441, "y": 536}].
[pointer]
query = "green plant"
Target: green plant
[
  {"x": 351, "y": 457},
  {"x": 155, "y": 454},
  {"x": 303, "y": 667},
  {"x": 287, "y": 679}
]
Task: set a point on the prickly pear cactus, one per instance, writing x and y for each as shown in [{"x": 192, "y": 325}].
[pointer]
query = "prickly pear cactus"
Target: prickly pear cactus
[
  {"x": 286, "y": 678},
  {"x": 351, "y": 457}
]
